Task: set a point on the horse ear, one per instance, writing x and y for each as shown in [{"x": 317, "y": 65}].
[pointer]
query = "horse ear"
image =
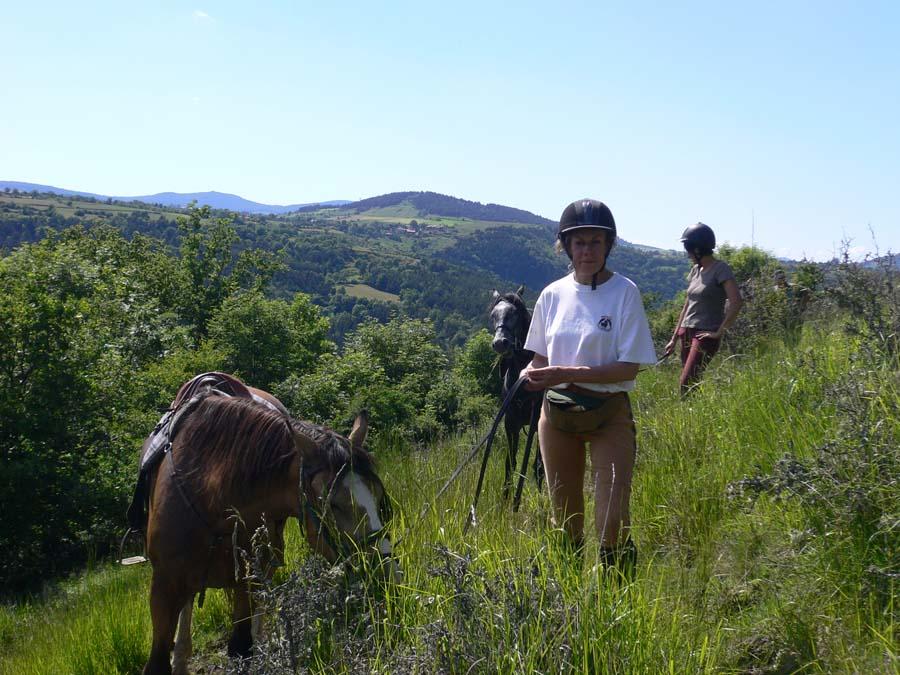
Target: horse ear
[
  {"x": 520, "y": 291},
  {"x": 360, "y": 429}
]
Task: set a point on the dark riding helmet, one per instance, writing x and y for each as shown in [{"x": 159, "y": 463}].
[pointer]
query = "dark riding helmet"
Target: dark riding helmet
[
  {"x": 699, "y": 236},
  {"x": 587, "y": 214}
]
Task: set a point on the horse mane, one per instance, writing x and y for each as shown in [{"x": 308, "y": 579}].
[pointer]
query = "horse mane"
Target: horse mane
[
  {"x": 333, "y": 451},
  {"x": 234, "y": 442}
]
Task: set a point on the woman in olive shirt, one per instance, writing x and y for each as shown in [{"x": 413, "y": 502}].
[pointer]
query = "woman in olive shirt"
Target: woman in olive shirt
[{"x": 704, "y": 317}]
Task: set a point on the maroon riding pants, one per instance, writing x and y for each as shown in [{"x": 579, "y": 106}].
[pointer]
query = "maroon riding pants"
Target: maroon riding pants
[{"x": 695, "y": 354}]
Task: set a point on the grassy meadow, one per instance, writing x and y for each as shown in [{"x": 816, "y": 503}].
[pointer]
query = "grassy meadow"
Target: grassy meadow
[{"x": 753, "y": 509}]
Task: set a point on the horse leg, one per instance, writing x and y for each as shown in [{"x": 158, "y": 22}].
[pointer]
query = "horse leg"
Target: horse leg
[
  {"x": 524, "y": 470},
  {"x": 538, "y": 458},
  {"x": 512, "y": 449},
  {"x": 538, "y": 470},
  {"x": 241, "y": 640},
  {"x": 257, "y": 625},
  {"x": 166, "y": 600},
  {"x": 183, "y": 645}
]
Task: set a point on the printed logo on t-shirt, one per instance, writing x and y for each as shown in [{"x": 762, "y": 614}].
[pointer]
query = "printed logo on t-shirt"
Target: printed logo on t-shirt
[{"x": 605, "y": 323}]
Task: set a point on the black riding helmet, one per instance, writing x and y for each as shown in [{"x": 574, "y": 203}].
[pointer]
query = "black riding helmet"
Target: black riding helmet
[
  {"x": 699, "y": 236},
  {"x": 587, "y": 214}
]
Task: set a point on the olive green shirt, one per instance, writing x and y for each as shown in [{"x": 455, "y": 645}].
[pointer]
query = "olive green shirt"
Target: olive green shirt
[{"x": 706, "y": 296}]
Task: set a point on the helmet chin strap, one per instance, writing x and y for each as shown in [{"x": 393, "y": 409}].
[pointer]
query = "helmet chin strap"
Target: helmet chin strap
[{"x": 600, "y": 271}]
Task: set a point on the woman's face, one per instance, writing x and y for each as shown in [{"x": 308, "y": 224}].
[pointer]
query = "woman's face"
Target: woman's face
[{"x": 588, "y": 250}]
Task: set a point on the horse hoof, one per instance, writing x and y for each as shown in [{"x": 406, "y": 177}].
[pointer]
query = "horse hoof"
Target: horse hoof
[{"x": 239, "y": 647}]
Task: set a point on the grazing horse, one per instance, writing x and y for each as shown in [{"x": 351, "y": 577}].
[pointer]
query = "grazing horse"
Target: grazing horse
[
  {"x": 509, "y": 322},
  {"x": 235, "y": 465}
]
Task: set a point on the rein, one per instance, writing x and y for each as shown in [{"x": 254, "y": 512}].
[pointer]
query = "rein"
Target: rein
[
  {"x": 216, "y": 537},
  {"x": 488, "y": 438},
  {"x": 321, "y": 522},
  {"x": 470, "y": 519}
]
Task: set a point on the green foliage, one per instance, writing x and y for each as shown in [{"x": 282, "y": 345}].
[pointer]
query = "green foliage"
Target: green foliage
[
  {"x": 79, "y": 312},
  {"x": 94, "y": 341},
  {"x": 268, "y": 340},
  {"x": 212, "y": 271},
  {"x": 747, "y": 262},
  {"x": 869, "y": 297},
  {"x": 478, "y": 364},
  {"x": 847, "y": 489},
  {"x": 402, "y": 376}
]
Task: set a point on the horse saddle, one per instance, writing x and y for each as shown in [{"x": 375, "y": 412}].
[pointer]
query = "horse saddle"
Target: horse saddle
[{"x": 160, "y": 439}]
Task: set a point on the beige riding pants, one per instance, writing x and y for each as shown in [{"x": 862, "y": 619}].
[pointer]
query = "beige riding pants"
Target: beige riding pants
[{"x": 612, "y": 448}]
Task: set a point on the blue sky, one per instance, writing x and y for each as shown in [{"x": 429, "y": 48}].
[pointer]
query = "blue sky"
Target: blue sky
[{"x": 772, "y": 122}]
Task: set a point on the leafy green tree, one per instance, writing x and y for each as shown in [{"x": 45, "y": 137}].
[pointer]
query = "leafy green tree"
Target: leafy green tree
[
  {"x": 389, "y": 369},
  {"x": 212, "y": 268},
  {"x": 477, "y": 364},
  {"x": 748, "y": 262},
  {"x": 79, "y": 311},
  {"x": 268, "y": 340}
]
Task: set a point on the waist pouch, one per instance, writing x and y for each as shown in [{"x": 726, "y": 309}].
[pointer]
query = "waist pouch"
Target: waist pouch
[{"x": 580, "y": 413}]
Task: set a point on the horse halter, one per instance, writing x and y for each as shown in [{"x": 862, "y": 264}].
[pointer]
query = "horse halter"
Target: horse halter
[
  {"x": 517, "y": 342},
  {"x": 337, "y": 540}
]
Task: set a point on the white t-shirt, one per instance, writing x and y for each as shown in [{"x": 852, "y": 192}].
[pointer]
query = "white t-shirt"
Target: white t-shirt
[{"x": 573, "y": 325}]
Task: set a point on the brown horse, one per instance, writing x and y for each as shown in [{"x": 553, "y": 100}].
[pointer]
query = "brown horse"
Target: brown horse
[{"x": 236, "y": 465}]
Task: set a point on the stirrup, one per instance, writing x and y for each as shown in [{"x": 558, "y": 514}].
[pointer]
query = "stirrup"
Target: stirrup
[{"x": 134, "y": 559}]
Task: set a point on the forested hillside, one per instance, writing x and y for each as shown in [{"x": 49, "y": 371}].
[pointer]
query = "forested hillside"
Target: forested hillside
[{"x": 422, "y": 255}]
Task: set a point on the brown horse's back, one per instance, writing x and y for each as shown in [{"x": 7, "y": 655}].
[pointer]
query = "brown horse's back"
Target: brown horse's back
[
  {"x": 266, "y": 396},
  {"x": 227, "y": 384},
  {"x": 212, "y": 474}
]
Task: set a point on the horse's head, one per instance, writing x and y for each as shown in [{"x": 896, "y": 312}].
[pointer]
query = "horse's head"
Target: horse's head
[
  {"x": 508, "y": 322},
  {"x": 347, "y": 509}
]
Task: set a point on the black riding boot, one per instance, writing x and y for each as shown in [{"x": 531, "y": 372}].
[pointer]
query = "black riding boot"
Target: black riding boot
[{"x": 620, "y": 560}]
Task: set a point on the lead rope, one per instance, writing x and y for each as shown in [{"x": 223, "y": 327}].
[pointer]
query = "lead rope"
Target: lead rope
[
  {"x": 470, "y": 519},
  {"x": 532, "y": 425},
  {"x": 488, "y": 438}
]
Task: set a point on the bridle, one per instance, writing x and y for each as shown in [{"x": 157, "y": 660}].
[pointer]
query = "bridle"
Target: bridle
[
  {"x": 338, "y": 541},
  {"x": 518, "y": 337}
]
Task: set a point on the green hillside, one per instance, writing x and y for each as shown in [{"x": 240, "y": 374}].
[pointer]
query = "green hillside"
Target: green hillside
[{"x": 435, "y": 256}]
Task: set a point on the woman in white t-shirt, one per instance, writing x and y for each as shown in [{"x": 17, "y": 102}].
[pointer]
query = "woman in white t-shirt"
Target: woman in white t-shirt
[{"x": 589, "y": 334}]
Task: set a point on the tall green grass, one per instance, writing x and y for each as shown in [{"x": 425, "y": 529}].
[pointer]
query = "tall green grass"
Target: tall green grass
[{"x": 726, "y": 582}]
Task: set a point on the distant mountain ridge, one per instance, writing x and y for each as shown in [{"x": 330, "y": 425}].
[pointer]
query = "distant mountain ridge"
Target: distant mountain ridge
[
  {"x": 412, "y": 204},
  {"x": 435, "y": 204},
  {"x": 426, "y": 203},
  {"x": 216, "y": 200}
]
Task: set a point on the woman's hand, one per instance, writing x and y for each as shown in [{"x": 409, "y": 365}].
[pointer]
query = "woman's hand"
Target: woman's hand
[
  {"x": 544, "y": 378},
  {"x": 712, "y": 335},
  {"x": 670, "y": 347}
]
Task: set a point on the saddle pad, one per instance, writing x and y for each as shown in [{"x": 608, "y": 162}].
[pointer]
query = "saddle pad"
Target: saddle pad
[{"x": 155, "y": 444}]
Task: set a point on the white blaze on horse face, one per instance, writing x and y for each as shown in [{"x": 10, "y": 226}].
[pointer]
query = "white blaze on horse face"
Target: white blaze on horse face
[{"x": 362, "y": 495}]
